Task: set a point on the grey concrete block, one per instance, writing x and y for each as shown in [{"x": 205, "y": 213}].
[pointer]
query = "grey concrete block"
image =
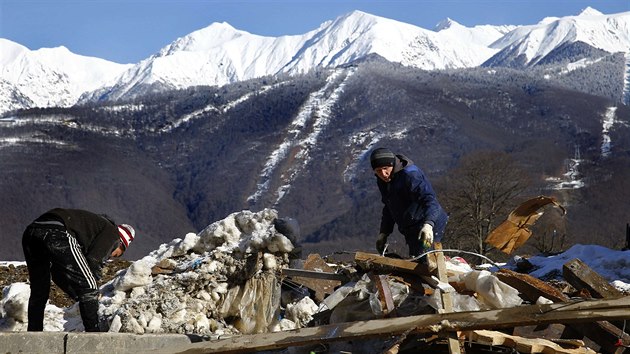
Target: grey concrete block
[
  {"x": 81, "y": 342},
  {"x": 32, "y": 342},
  {"x": 125, "y": 343}
]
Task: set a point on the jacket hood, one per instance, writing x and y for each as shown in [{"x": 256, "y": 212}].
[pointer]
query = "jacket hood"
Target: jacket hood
[{"x": 402, "y": 161}]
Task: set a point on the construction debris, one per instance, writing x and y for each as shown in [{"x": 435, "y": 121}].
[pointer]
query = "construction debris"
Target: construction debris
[
  {"x": 514, "y": 232},
  {"x": 577, "y": 272},
  {"x": 236, "y": 285},
  {"x": 576, "y": 311},
  {"x": 526, "y": 345}
]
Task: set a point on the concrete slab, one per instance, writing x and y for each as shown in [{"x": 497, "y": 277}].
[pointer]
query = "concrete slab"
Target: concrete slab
[
  {"x": 81, "y": 342},
  {"x": 24, "y": 342}
]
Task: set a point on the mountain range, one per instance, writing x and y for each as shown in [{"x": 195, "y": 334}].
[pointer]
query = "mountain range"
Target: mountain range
[
  {"x": 220, "y": 54},
  {"x": 222, "y": 120}
]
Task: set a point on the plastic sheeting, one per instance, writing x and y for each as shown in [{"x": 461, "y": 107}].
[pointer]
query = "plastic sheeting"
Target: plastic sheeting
[
  {"x": 490, "y": 290},
  {"x": 254, "y": 305}
]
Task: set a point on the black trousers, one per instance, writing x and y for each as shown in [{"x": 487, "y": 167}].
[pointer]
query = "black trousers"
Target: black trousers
[{"x": 51, "y": 252}]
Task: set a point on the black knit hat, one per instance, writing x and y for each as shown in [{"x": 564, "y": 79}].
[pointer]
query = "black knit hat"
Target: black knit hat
[{"x": 382, "y": 157}]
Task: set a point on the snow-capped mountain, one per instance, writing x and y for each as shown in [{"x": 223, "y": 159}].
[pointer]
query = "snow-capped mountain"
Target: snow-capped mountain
[
  {"x": 49, "y": 77},
  {"x": 220, "y": 54},
  {"x": 528, "y": 45},
  {"x": 483, "y": 35}
]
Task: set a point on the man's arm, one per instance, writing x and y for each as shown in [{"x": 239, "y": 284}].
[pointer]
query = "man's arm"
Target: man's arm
[
  {"x": 422, "y": 192},
  {"x": 387, "y": 222}
]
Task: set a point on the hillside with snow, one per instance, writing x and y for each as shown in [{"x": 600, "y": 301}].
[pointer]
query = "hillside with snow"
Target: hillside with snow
[{"x": 170, "y": 162}]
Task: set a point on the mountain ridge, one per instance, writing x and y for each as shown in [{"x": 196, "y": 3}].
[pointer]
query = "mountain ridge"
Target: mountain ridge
[
  {"x": 220, "y": 54},
  {"x": 606, "y": 32},
  {"x": 173, "y": 162}
]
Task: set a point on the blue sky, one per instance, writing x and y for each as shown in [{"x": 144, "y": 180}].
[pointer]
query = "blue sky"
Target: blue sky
[{"x": 127, "y": 31}]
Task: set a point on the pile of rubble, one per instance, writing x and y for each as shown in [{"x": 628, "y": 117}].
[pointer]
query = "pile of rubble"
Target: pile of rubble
[
  {"x": 236, "y": 278},
  {"x": 237, "y": 285},
  {"x": 220, "y": 281}
]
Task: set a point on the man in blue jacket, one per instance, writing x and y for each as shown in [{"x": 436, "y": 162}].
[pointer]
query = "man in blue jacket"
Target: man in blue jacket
[
  {"x": 70, "y": 245},
  {"x": 409, "y": 201}
]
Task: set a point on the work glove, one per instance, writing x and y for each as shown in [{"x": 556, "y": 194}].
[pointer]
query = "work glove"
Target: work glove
[
  {"x": 426, "y": 236},
  {"x": 380, "y": 242}
]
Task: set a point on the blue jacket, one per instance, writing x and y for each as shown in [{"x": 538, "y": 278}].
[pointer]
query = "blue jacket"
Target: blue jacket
[{"x": 409, "y": 200}]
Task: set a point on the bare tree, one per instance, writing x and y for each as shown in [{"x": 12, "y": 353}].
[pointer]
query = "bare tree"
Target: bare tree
[
  {"x": 479, "y": 194},
  {"x": 549, "y": 234}
]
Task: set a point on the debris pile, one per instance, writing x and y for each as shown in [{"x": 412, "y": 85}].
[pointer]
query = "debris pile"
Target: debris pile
[
  {"x": 220, "y": 281},
  {"x": 235, "y": 278},
  {"x": 238, "y": 284}
]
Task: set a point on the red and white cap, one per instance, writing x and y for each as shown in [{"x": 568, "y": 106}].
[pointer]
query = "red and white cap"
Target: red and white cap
[{"x": 126, "y": 233}]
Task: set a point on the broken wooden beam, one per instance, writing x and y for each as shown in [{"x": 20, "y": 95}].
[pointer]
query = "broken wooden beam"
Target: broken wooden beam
[
  {"x": 321, "y": 287},
  {"x": 581, "y": 276},
  {"x": 447, "y": 298},
  {"x": 604, "y": 333},
  {"x": 522, "y": 344},
  {"x": 370, "y": 261},
  {"x": 290, "y": 272},
  {"x": 570, "y": 312},
  {"x": 529, "y": 287},
  {"x": 384, "y": 294}
]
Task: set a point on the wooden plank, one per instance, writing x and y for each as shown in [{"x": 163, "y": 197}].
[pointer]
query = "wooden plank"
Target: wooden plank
[
  {"x": 574, "y": 312},
  {"x": 321, "y": 287},
  {"x": 290, "y": 272},
  {"x": 581, "y": 276},
  {"x": 443, "y": 277},
  {"x": 529, "y": 287},
  {"x": 370, "y": 261},
  {"x": 522, "y": 344},
  {"x": 604, "y": 333},
  {"x": 573, "y": 343},
  {"x": 384, "y": 294},
  {"x": 447, "y": 298},
  {"x": 515, "y": 230}
]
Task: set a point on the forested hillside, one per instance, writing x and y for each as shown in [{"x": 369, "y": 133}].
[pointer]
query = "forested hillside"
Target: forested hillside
[{"x": 173, "y": 163}]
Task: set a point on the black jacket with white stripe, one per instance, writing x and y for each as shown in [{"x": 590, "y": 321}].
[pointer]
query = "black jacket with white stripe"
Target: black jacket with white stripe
[{"x": 97, "y": 235}]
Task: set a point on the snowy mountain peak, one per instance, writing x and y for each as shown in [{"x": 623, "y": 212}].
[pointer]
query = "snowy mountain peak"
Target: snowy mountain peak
[
  {"x": 531, "y": 44},
  {"x": 50, "y": 76},
  {"x": 589, "y": 11},
  {"x": 10, "y": 50},
  {"x": 358, "y": 15},
  {"x": 204, "y": 39},
  {"x": 548, "y": 20},
  {"x": 445, "y": 24},
  {"x": 361, "y": 22}
]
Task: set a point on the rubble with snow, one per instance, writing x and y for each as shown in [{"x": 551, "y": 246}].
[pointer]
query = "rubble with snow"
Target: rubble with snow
[
  {"x": 220, "y": 281},
  {"x": 227, "y": 280}
]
